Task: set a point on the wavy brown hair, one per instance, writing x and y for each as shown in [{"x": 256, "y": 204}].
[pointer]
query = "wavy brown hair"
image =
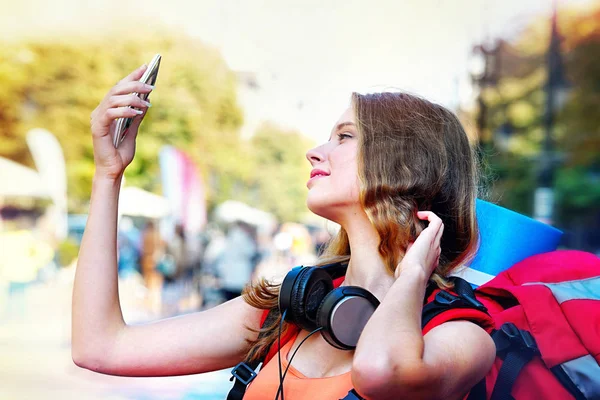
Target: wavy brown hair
[{"x": 413, "y": 155}]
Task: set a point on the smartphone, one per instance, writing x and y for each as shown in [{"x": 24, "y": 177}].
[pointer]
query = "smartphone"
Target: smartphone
[{"x": 149, "y": 77}]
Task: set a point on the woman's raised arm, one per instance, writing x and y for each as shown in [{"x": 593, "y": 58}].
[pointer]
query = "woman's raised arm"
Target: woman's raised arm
[{"x": 101, "y": 340}]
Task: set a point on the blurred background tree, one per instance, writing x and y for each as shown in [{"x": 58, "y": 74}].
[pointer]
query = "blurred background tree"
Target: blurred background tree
[
  {"x": 55, "y": 84},
  {"x": 282, "y": 171},
  {"x": 512, "y": 125}
]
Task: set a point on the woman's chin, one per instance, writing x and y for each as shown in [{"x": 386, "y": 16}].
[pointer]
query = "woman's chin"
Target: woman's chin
[
  {"x": 317, "y": 207},
  {"x": 322, "y": 210}
]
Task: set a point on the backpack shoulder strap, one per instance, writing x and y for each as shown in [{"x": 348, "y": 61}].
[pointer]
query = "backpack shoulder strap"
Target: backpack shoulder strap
[
  {"x": 444, "y": 301},
  {"x": 245, "y": 372},
  {"x": 516, "y": 347}
]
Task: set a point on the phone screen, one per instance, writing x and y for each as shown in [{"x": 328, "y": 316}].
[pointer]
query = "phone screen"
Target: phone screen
[{"x": 149, "y": 77}]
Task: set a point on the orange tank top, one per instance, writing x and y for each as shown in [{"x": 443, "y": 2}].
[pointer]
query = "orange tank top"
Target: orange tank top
[{"x": 295, "y": 385}]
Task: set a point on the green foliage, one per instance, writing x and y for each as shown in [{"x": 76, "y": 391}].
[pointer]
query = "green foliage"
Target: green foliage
[
  {"x": 56, "y": 83},
  {"x": 519, "y": 97},
  {"x": 578, "y": 190},
  {"x": 580, "y": 116},
  {"x": 513, "y": 179},
  {"x": 281, "y": 171}
]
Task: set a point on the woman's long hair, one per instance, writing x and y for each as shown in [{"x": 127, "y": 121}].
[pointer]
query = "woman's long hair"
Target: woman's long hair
[{"x": 413, "y": 155}]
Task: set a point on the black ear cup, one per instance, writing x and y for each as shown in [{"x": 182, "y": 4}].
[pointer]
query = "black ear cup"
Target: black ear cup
[
  {"x": 301, "y": 294},
  {"x": 309, "y": 300},
  {"x": 286, "y": 292},
  {"x": 343, "y": 315}
]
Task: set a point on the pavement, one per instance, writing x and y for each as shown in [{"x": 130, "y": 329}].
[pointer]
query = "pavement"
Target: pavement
[{"x": 35, "y": 354}]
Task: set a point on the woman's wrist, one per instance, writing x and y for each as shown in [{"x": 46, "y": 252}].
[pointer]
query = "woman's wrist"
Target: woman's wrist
[
  {"x": 414, "y": 273},
  {"x": 408, "y": 291},
  {"x": 105, "y": 187},
  {"x": 106, "y": 179}
]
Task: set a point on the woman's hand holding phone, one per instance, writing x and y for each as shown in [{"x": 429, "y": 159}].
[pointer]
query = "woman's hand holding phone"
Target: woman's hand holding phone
[{"x": 119, "y": 102}]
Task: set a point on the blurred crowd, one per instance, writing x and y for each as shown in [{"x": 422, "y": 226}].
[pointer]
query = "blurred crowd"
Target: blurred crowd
[
  {"x": 169, "y": 273},
  {"x": 186, "y": 273}
]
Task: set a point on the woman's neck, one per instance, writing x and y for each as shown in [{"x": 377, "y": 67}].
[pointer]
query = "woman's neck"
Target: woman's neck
[{"x": 366, "y": 268}]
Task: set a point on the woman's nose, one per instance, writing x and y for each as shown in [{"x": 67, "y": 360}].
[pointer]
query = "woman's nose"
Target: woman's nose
[{"x": 315, "y": 155}]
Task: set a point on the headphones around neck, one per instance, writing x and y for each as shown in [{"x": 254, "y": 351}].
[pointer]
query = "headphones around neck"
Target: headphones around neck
[{"x": 311, "y": 302}]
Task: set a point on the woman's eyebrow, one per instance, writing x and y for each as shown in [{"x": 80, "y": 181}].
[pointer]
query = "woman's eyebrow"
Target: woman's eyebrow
[
  {"x": 344, "y": 124},
  {"x": 340, "y": 126}
]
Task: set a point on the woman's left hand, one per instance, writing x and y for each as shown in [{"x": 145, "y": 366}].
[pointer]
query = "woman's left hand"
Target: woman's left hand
[{"x": 424, "y": 253}]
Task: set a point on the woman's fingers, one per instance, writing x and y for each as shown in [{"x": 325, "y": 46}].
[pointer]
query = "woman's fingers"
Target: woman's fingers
[
  {"x": 134, "y": 126},
  {"x": 438, "y": 237},
  {"x": 135, "y": 75},
  {"x": 118, "y": 103},
  {"x": 120, "y": 99},
  {"x": 435, "y": 223},
  {"x": 425, "y": 251},
  {"x": 121, "y": 112},
  {"x": 127, "y": 146},
  {"x": 130, "y": 87},
  {"x": 428, "y": 215},
  {"x": 434, "y": 230},
  {"x": 127, "y": 100}
]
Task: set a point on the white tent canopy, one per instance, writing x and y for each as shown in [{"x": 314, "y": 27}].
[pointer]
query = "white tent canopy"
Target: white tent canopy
[
  {"x": 17, "y": 180},
  {"x": 230, "y": 211},
  {"x": 136, "y": 202}
]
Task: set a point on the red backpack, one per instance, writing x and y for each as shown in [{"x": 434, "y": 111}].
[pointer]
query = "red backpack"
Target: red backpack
[{"x": 546, "y": 311}]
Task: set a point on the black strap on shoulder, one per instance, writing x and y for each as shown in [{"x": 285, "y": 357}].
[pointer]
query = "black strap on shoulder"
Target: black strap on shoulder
[
  {"x": 445, "y": 301},
  {"x": 478, "y": 392},
  {"x": 517, "y": 347},
  {"x": 463, "y": 288},
  {"x": 353, "y": 395},
  {"x": 336, "y": 269},
  {"x": 429, "y": 289},
  {"x": 245, "y": 372}
]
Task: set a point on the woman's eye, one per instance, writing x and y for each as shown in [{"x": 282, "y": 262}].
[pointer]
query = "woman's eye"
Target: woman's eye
[{"x": 343, "y": 136}]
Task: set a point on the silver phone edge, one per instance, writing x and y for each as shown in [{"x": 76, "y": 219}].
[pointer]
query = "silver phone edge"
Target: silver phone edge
[{"x": 118, "y": 136}]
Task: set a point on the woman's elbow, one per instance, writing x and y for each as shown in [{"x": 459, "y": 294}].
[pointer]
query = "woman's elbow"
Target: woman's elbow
[
  {"x": 96, "y": 352},
  {"x": 386, "y": 381},
  {"x": 369, "y": 383},
  {"x": 86, "y": 359},
  {"x": 93, "y": 357}
]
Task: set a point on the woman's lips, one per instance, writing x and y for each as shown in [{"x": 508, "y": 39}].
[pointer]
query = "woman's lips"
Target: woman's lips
[
  {"x": 317, "y": 171},
  {"x": 315, "y": 177}
]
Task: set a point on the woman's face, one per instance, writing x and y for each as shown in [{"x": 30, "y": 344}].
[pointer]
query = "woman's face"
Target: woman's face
[{"x": 333, "y": 187}]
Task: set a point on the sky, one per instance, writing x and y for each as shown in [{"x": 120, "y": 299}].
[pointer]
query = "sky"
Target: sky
[{"x": 309, "y": 55}]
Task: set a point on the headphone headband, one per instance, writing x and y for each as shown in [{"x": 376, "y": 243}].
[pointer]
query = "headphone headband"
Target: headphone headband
[
  {"x": 308, "y": 296},
  {"x": 336, "y": 269}
]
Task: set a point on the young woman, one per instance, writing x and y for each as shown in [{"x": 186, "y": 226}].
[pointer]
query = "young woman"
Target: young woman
[{"x": 398, "y": 175}]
